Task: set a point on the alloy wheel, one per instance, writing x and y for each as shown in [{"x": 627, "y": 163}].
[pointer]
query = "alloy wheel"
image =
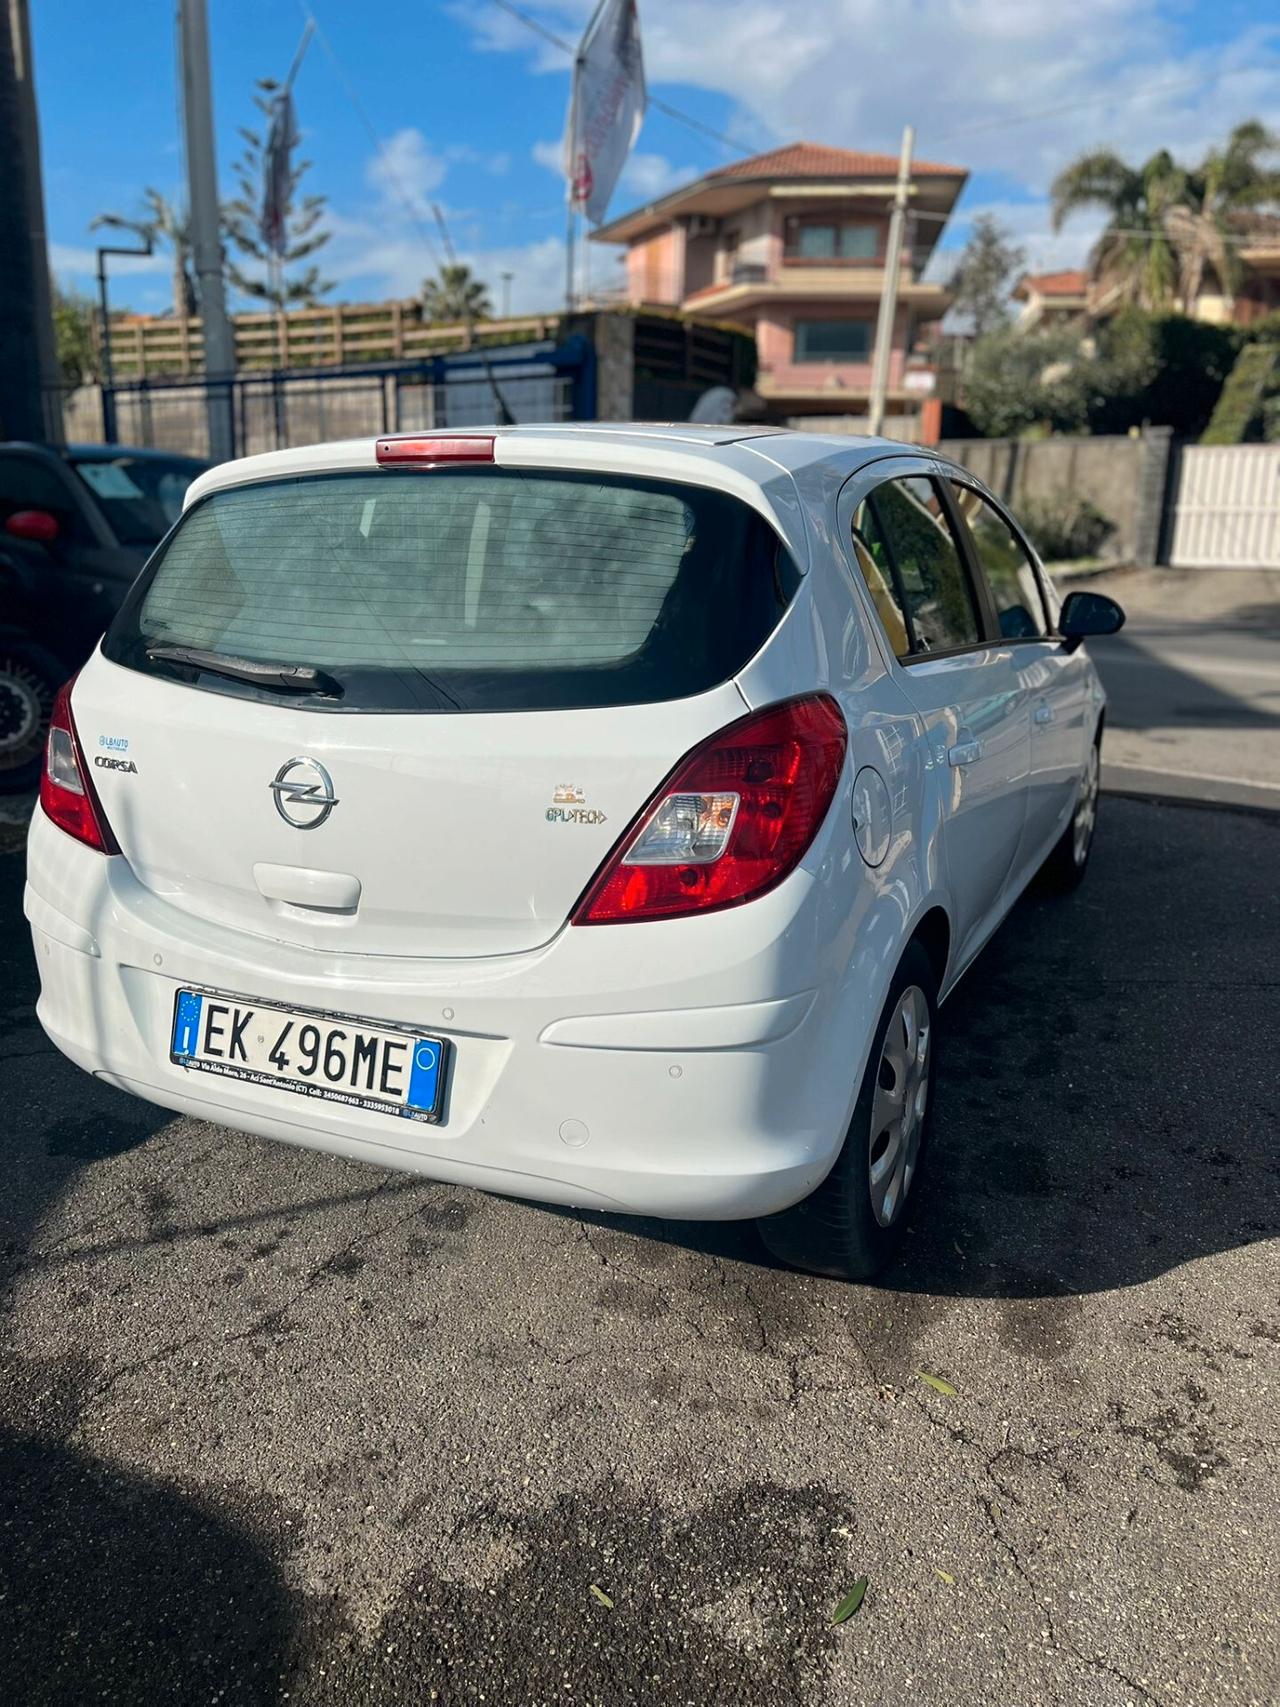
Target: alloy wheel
[
  {"x": 25, "y": 703},
  {"x": 1086, "y": 810},
  {"x": 898, "y": 1108}
]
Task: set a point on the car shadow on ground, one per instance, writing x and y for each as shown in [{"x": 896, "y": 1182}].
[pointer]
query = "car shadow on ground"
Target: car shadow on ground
[
  {"x": 1106, "y": 1087},
  {"x": 114, "y": 1587},
  {"x": 1145, "y": 691}
]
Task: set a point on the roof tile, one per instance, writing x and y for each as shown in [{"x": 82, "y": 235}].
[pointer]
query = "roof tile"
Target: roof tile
[{"x": 816, "y": 160}]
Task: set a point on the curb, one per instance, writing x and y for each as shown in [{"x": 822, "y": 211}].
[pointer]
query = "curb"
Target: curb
[{"x": 1187, "y": 788}]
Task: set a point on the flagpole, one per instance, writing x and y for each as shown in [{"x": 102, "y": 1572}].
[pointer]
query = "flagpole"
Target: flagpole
[
  {"x": 570, "y": 239},
  {"x": 307, "y": 34}
]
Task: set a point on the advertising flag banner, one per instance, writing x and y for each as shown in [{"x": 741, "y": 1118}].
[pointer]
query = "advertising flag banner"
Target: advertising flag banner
[
  {"x": 606, "y": 108},
  {"x": 277, "y": 161}
]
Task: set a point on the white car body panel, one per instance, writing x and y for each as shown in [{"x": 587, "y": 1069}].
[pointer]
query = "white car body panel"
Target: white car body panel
[{"x": 704, "y": 1066}]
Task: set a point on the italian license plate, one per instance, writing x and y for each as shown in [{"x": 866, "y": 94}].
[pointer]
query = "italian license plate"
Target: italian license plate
[{"x": 311, "y": 1054}]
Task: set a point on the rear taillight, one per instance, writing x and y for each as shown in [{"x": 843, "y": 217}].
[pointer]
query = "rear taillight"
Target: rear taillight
[
  {"x": 66, "y": 789},
  {"x": 731, "y": 821}
]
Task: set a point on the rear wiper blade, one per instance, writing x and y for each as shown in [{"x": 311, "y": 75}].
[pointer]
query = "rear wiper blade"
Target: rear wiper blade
[{"x": 283, "y": 678}]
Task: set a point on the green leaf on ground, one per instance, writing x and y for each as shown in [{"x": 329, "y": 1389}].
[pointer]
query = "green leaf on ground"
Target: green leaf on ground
[
  {"x": 938, "y": 1384},
  {"x": 601, "y": 1596},
  {"x": 944, "y": 1576},
  {"x": 851, "y": 1602}
]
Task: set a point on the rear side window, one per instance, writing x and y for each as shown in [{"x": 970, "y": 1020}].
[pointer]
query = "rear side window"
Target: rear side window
[
  {"x": 465, "y": 590},
  {"x": 141, "y": 496},
  {"x": 1009, "y": 572},
  {"x": 930, "y": 576},
  {"x": 872, "y": 557}
]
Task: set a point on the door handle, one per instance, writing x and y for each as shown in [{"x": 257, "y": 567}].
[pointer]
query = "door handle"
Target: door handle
[
  {"x": 966, "y": 753},
  {"x": 1044, "y": 714}
]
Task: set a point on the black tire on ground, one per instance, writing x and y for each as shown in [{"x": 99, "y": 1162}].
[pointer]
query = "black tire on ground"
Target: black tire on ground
[
  {"x": 834, "y": 1230},
  {"x": 29, "y": 679},
  {"x": 1068, "y": 860}
]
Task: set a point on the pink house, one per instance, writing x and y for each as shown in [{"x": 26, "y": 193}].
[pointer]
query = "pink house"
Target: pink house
[{"x": 791, "y": 245}]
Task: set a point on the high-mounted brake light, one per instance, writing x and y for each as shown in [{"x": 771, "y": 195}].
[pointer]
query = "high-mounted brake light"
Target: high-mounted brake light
[
  {"x": 67, "y": 794},
  {"x": 423, "y": 451},
  {"x": 732, "y": 820}
]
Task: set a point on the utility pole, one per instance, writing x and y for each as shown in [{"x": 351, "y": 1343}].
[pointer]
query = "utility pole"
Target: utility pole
[
  {"x": 30, "y": 407},
  {"x": 889, "y": 296},
  {"x": 206, "y": 234}
]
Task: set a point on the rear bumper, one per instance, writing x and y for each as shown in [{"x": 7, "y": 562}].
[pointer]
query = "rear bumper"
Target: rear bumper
[{"x": 683, "y": 1069}]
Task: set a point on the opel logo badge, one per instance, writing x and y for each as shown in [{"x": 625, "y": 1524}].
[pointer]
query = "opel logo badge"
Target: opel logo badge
[{"x": 303, "y": 791}]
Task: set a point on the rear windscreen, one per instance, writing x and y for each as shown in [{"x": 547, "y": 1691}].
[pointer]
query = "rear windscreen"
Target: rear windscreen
[{"x": 463, "y": 590}]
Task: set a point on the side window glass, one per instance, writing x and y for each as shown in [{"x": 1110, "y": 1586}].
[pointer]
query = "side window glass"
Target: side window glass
[
  {"x": 940, "y": 610},
  {"x": 872, "y": 558},
  {"x": 1015, "y": 591}
]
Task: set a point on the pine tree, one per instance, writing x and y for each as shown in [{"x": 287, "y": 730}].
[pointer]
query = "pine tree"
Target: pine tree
[
  {"x": 304, "y": 232},
  {"x": 983, "y": 277}
]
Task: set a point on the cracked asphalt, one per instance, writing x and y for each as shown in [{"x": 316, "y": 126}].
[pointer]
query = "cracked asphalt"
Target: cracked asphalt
[{"x": 282, "y": 1428}]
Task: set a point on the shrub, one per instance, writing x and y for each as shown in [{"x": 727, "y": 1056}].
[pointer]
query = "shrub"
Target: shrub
[
  {"x": 1160, "y": 369},
  {"x": 1019, "y": 380},
  {"x": 1242, "y": 411},
  {"x": 1065, "y": 525},
  {"x": 1138, "y": 369}
]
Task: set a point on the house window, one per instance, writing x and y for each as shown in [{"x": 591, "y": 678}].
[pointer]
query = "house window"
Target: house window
[
  {"x": 830, "y": 240},
  {"x": 832, "y": 340}
]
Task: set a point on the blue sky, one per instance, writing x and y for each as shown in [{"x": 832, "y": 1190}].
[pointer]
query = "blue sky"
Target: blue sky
[{"x": 467, "y": 107}]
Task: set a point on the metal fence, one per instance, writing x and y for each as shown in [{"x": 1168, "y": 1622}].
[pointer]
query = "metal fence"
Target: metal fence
[{"x": 285, "y": 408}]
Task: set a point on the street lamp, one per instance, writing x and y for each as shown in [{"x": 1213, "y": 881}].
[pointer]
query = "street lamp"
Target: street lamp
[{"x": 108, "y": 376}]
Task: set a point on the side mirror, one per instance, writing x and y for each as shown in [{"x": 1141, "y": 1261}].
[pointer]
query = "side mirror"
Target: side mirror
[
  {"x": 1084, "y": 614},
  {"x": 36, "y": 525}
]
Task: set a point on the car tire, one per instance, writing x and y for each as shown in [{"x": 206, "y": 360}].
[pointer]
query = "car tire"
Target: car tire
[
  {"x": 29, "y": 679},
  {"x": 1066, "y": 865},
  {"x": 848, "y": 1228}
]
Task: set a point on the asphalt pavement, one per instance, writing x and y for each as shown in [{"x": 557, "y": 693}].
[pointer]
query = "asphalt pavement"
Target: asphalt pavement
[{"x": 275, "y": 1427}]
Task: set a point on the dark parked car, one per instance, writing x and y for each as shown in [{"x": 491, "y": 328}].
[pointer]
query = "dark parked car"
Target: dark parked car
[{"x": 76, "y": 525}]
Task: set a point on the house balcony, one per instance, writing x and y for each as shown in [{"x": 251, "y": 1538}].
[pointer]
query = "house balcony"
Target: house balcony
[
  {"x": 749, "y": 286},
  {"x": 843, "y": 386}
]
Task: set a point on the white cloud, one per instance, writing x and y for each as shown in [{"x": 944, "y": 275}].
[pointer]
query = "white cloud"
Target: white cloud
[
  {"x": 1009, "y": 87},
  {"x": 1027, "y": 223},
  {"x": 652, "y": 175},
  {"x": 462, "y": 154},
  {"x": 551, "y": 155},
  {"x": 405, "y": 169}
]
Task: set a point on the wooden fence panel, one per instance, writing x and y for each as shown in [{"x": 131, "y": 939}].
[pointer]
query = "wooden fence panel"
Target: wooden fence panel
[{"x": 334, "y": 336}]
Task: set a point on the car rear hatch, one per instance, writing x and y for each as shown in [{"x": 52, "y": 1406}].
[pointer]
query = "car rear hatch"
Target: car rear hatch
[{"x": 409, "y": 711}]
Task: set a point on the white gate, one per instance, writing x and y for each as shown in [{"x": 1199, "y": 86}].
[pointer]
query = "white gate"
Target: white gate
[{"x": 1227, "y": 510}]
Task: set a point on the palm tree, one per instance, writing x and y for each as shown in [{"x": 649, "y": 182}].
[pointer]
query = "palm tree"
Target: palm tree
[
  {"x": 162, "y": 221},
  {"x": 455, "y": 295},
  {"x": 1168, "y": 223}
]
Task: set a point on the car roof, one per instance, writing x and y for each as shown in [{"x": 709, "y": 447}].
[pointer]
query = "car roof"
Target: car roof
[
  {"x": 146, "y": 453},
  {"x": 764, "y": 466},
  {"x": 103, "y": 453}
]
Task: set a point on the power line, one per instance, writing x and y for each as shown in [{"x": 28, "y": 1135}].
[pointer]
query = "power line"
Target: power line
[
  {"x": 405, "y": 194},
  {"x": 735, "y": 145},
  {"x": 1186, "y": 81}
]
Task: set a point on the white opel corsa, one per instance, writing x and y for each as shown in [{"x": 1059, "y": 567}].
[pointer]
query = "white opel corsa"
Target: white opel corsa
[{"x": 596, "y": 814}]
